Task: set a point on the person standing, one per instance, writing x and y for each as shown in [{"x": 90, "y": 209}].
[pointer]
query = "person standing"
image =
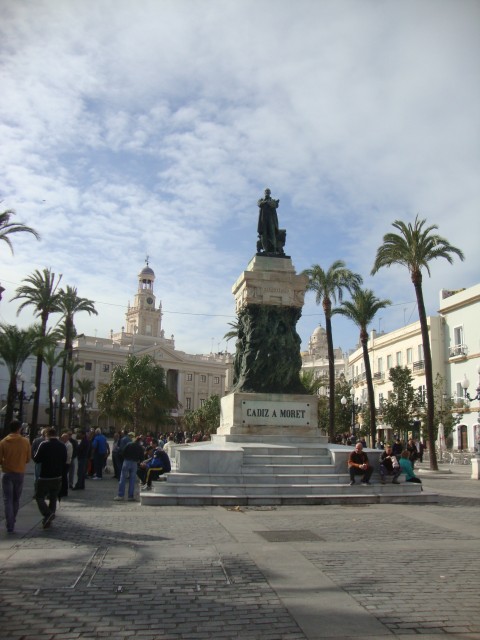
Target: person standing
[
  {"x": 412, "y": 452},
  {"x": 15, "y": 453},
  {"x": 65, "y": 438},
  {"x": 133, "y": 454},
  {"x": 71, "y": 472},
  {"x": 101, "y": 451},
  {"x": 35, "y": 444},
  {"x": 52, "y": 456},
  {"x": 83, "y": 453},
  {"x": 116, "y": 456}
]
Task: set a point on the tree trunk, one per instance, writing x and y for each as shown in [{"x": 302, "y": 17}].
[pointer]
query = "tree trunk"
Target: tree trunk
[
  {"x": 38, "y": 383},
  {"x": 327, "y": 306},
  {"x": 11, "y": 395},
  {"x": 36, "y": 398},
  {"x": 427, "y": 356},
  {"x": 370, "y": 391}
]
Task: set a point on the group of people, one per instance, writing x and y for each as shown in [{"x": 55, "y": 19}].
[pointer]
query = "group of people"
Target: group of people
[
  {"x": 63, "y": 462},
  {"x": 390, "y": 465},
  {"x": 51, "y": 467},
  {"x": 56, "y": 459},
  {"x": 138, "y": 457}
]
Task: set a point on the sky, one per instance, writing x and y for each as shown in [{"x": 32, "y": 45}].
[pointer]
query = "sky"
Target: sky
[{"x": 134, "y": 128}]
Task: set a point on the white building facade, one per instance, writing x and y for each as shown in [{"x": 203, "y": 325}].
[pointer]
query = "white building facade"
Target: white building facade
[
  {"x": 461, "y": 313},
  {"x": 316, "y": 358},
  {"x": 192, "y": 378},
  {"x": 455, "y": 346}
]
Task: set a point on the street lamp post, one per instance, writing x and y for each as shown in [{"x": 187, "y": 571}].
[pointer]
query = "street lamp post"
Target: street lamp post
[
  {"x": 73, "y": 404},
  {"x": 22, "y": 396},
  {"x": 468, "y": 397},
  {"x": 56, "y": 393},
  {"x": 466, "y": 384},
  {"x": 355, "y": 408}
]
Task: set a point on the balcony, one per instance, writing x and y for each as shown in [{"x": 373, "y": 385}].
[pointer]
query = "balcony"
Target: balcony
[
  {"x": 458, "y": 351},
  {"x": 379, "y": 376},
  {"x": 419, "y": 366}
]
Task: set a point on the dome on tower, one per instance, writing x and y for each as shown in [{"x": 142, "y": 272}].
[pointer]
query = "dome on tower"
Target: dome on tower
[
  {"x": 318, "y": 341},
  {"x": 147, "y": 272}
]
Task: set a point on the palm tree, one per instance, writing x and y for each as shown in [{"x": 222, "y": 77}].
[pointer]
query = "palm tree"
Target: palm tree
[
  {"x": 137, "y": 392},
  {"x": 361, "y": 309},
  {"x": 39, "y": 291},
  {"x": 15, "y": 347},
  {"x": 84, "y": 387},
  {"x": 70, "y": 304},
  {"x": 7, "y": 228},
  {"x": 414, "y": 247},
  {"x": 329, "y": 287}
]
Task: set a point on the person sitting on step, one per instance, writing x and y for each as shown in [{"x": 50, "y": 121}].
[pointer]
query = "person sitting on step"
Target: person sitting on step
[
  {"x": 152, "y": 469},
  {"x": 358, "y": 464},
  {"x": 389, "y": 466},
  {"x": 407, "y": 468}
]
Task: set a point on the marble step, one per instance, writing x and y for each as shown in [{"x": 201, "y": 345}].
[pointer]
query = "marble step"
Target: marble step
[
  {"x": 366, "y": 496},
  {"x": 281, "y": 459},
  {"x": 296, "y": 469},
  {"x": 293, "y": 477},
  {"x": 262, "y": 450},
  {"x": 250, "y": 489}
]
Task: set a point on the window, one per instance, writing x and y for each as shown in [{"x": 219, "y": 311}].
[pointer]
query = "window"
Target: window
[
  {"x": 148, "y": 329},
  {"x": 189, "y": 377},
  {"x": 459, "y": 391},
  {"x": 188, "y": 403},
  {"x": 202, "y": 401},
  {"x": 389, "y": 362},
  {"x": 106, "y": 368},
  {"x": 380, "y": 365},
  {"x": 216, "y": 380},
  {"x": 458, "y": 336},
  {"x": 422, "y": 390},
  {"x": 88, "y": 366},
  {"x": 409, "y": 356},
  {"x": 420, "y": 351},
  {"x": 203, "y": 378},
  {"x": 398, "y": 358}
]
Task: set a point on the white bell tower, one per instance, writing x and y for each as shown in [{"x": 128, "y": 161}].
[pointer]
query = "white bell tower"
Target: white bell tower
[{"x": 143, "y": 318}]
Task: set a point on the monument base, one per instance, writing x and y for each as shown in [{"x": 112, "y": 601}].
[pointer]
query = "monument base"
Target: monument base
[{"x": 268, "y": 414}]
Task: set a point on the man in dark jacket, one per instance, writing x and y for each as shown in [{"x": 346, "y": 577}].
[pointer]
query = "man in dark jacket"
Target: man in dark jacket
[
  {"x": 83, "y": 452},
  {"x": 52, "y": 457},
  {"x": 358, "y": 464},
  {"x": 153, "y": 468},
  {"x": 389, "y": 466},
  {"x": 133, "y": 453}
]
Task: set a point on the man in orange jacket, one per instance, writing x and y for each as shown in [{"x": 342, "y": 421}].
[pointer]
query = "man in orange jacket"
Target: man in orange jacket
[{"x": 15, "y": 453}]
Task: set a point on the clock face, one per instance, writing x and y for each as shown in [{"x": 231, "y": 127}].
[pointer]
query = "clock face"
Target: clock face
[{"x": 149, "y": 300}]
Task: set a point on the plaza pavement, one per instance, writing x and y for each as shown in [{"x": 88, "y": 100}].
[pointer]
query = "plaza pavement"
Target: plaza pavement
[{"x": 118, "y": 570}]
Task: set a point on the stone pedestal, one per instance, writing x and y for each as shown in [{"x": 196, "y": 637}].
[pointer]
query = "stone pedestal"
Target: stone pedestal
[
  {"x": 268, "y": 414},
  {"x": 270, "y": 281},
  {"x": 475, "y": 468}
]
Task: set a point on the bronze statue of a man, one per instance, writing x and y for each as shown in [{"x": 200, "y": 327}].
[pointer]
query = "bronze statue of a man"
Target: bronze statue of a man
[{"x": 268, "y": 231}]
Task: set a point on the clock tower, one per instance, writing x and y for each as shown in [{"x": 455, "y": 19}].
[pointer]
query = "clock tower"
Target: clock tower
[{"x": 143, "y": 318}]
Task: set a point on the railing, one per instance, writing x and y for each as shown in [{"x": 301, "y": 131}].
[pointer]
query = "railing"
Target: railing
[
  {"x": 458, "y": 350},
  {"x": 379, "y": 375},
  {"x": 447, "y": 456},
  {"x": 419, "y": 365}
]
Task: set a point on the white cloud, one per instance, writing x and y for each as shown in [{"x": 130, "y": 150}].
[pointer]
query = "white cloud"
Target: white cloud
[{"x": 152, "y": 128}]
